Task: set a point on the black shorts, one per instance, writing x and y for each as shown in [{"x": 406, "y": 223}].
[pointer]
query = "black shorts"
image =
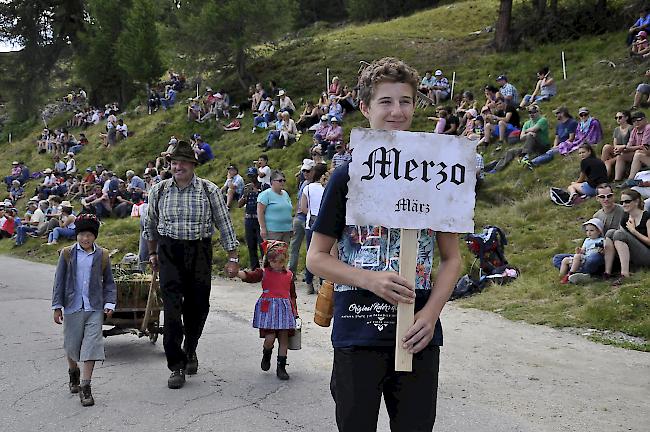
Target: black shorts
[{"x": 361, "y": 375}]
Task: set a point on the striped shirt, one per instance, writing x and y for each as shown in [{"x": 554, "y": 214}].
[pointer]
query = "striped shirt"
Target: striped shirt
[{"x": 186, "y": 214}]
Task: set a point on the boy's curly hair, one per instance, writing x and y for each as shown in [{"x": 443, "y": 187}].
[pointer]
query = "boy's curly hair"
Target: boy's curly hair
[{"x": 387, "y": 69}]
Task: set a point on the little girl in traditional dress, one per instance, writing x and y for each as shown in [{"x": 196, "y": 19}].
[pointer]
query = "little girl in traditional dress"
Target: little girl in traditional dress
[{"x": 275, "y": 311}]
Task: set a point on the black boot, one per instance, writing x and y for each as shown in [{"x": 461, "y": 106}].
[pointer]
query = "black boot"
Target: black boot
[
  {"x": 192, "y": 364},
  {"x": 86, "y": 395},
  {"x": 281, "y": 371},
  {"x": 266, "y": 358},
  {"x": 74, "y": 380}
]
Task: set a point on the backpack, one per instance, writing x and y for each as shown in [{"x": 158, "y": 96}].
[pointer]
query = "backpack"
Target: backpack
[
  {"x": 67, "y": 254},
  {"x": 488, "y": 247},
  {"x": 465, "y": 287},
  {"x": 560, "y": 197}
]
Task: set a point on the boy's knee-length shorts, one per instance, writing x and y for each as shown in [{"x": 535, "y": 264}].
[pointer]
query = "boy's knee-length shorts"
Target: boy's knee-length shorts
[{"x": 82, "y": 335}]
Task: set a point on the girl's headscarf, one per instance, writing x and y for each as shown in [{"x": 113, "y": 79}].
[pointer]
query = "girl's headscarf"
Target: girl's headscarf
[{"x": 275, "y": 250}]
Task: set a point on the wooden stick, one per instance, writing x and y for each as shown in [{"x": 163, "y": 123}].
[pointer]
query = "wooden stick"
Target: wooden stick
[
  {"x": 150, "y": 301},
  {"x": 405, "y": 311}
]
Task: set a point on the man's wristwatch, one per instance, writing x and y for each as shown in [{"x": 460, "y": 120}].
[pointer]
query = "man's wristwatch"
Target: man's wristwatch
[{"x": 233, "y": 260}]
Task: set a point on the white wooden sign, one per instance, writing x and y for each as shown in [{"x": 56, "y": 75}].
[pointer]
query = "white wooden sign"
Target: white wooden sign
[{"x": 411, "y": 180}]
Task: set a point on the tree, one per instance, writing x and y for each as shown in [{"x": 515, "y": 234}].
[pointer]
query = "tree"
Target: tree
[
  {"x": 502, "y": 38},
  {"x": 96, "y": 61},
  {"x": 44, "y": 30},
  {"x": 224, "y": 31},
  {"x": 138, "y": 44}
]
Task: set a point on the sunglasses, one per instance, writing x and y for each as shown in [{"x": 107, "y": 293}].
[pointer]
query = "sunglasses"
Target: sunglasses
[
  {"x": 306, "y": 171},
  {"x": 626, "y": 201},
  {"x": 637, "y": 119},
  {"x": 618, "y": 117},
  {"x": 605, "y": 196},
  {"x": 583, "y": 114},
  {"x": 280, "y": 180}
]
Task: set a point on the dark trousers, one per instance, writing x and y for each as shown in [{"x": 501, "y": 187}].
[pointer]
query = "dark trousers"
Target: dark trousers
[
  {"x": 361, "y": 375},
  {"x": 253, "y": 241},
  {"x": 185, "y": 276}
]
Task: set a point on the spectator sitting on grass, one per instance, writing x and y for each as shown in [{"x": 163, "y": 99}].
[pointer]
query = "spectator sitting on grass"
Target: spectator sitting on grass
[
  {"x": 286, "y": 104},
  {"x": 8, "y": 222},
  {"x": 14, "y": 174},
  {"x": 335, "y": 88},
  {"x": 309, "y": 117},
  {"x": 588, "y": 131},
  {"x": 36, "y": 224},
  {"x": 98, "y": 203},
  {"x": 203, "y": 150},
  {"x": 630, "y": 242},
  {"x": 66, "y": 225},
  {"x": 288, "y": 131},
  {"x": 341, "y": 156},
  {"x": 122, "y": 130},
  {"x": 16, "y": 191},
  {"x": 349, "y": 99},
  {"x": 154, "y": 100},
  {"x": 640, "y": 144},
  {"x": 426, "y": 84},
  {"x": 170, "y": 98},
  {"x": 617, "y": 155},
  {"x": 71, "y": 164},
  {"x": 641, "y": 24},
  {"x": 335, "y": 110},
  {"x": 334, "y": 135},
  {"x": 640, "y": 46},
  {"x": 233, "y": 188},
  {"x": 545, "y": 88},
  {"x": 194, "y": 110},
  {"x": 507, "y": 91},
  {"x": 534, "y": 135},
  {"x": 610, "y": 211},
  {"x": 588, "y": 259},
  {"x": 266, "y": 114},
  {"x": 491, "y": 95},
  {"x": 83, "y": 141},
  {"x": 440, "y": 90},
  {"x": 503, "y": 122},
  {"x": 592, "y": 173},
  {"x": 123, "y": 202}
]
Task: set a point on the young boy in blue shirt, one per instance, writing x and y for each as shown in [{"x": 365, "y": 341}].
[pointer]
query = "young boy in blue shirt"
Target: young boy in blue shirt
[
  {"x": 368, "y": 289},
  {"x": 83, "y": 292}
]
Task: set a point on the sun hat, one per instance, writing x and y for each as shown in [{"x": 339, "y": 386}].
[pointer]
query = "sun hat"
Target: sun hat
[
  {"x": 597, "y": 223},
  {"x": 334, "y": 119},
  {"x": 182, "y": 151},
  {"x": 472, "y": 112},
  {"x": 323, "y": 117},
  {"x": 307, "y": 164}
]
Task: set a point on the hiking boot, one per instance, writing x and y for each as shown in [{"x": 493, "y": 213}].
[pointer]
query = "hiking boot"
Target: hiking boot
[
  {"x": 579, "y": 278},
  {"x": 619, "y": 281},
  {"x": 176, "y": 379},
  {"x": 565, "y": 279},
  {"x": 86, "y": 396},
  {"x": 266, "y": 359},
  {"x": 281, "y": 372},
  {"x": 192, "y": 364},
  {"x": 74, "y": 380}
]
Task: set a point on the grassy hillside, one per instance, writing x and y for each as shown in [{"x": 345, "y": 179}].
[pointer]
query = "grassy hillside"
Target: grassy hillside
[{"x": 515, "y": 199}]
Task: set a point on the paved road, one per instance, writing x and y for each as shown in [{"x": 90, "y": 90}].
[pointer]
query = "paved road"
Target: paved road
[{"x": 496, "y": 375}]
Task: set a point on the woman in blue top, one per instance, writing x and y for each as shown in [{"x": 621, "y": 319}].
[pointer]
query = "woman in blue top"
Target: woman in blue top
[{"x": 274, "y": 210}]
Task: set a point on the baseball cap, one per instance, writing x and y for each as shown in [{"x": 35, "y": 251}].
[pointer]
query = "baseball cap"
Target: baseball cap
[
  {"x": 14, "y": 163},
  {"x": 323, "y": 117},
  {"x": 502, "y": 78},
  {"x": 438, "y": 72},
  {"x": 334, "y": 119},
  {"x": 232, "y": 167},
  {"x": 583, "y": 110},
  {"x": 597, "y": 223},
  {"x": 307, "y": 164},
  {"x": 251, "y": 171},
  {"x": 281, "y": 93}
]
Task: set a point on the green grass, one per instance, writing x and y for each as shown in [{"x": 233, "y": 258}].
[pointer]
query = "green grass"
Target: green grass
[{"x": 514, "y": 199}]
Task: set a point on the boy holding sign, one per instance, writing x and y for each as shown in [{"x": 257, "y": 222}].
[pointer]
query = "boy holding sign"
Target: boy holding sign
[{"x": 368, "y": 287}]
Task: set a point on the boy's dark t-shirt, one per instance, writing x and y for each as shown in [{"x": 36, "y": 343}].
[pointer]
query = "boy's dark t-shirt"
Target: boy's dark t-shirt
[
  {"x": 595, "y": 171},
  {"x": 452, "y": 120},
  {"x": 514, "y": 118},
  {"x": 361, "y": 318}
]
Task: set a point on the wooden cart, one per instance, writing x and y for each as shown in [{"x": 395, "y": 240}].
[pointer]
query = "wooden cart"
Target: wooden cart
[{"x": 138, "y": 306}]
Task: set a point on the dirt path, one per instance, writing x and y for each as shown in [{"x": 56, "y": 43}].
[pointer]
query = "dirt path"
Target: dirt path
[{"x": 537, "y": 377}]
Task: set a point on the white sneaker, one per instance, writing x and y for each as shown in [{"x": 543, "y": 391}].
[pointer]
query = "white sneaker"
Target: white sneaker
[
  {"x": 253, "y": 130},
  {"x": 240, "y": 115},
  {"x": 579, "y": 278}
]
